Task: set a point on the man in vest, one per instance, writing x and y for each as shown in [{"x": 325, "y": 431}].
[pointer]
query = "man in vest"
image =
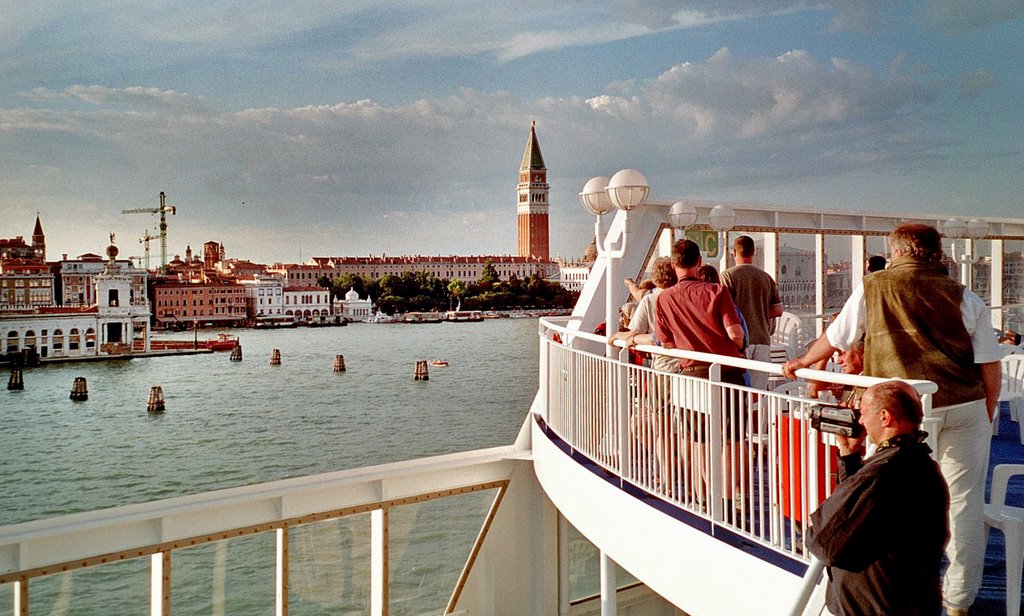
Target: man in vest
[{"x": 908, "y": 315}]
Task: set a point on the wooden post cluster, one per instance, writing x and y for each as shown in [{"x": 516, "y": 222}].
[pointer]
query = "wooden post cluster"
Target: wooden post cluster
[
  {"x": 421, "y": 371},
  {"x": 15, "y": 382},
  {"x": 155, "y": 404},
  {"x": 79, "y": 389},
  {"x": 275, "y": 357},
  {"x": 236, "y": 353},
  {"x": 339, "y": 363}
]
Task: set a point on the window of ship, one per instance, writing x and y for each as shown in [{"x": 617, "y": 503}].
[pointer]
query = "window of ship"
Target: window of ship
[{"x": 90, "y": 339}]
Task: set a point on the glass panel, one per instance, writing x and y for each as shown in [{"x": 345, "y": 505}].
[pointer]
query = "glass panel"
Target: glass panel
[
  {"x": 429, "y": 544},
  {"x": 329, "y": 567},
  {"x": 117, "y": 588},
  {"x": 1013, "y": 285},
  {"x": 585, "y": 569},
  {"x": 235, "y": 576}
]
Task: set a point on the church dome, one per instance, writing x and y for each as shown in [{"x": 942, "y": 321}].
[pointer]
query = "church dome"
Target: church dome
[
  {"x": 590, "y": 253},
  {"x": 351, "y": 296}
]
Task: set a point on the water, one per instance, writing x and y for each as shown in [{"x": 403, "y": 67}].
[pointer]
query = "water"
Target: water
[{"x": 237, "y": 423}]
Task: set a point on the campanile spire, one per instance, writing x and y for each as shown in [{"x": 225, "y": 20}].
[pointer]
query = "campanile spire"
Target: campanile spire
[{"x": 533, "y": 190}]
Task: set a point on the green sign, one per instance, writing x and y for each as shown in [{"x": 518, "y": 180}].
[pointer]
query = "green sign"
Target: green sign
[{"x": 707, "y": 240}]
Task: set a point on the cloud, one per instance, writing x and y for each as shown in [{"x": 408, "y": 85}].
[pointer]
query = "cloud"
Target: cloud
[
  {"x": 976, "y": 82},
  {"x": 137, "y": 96}
]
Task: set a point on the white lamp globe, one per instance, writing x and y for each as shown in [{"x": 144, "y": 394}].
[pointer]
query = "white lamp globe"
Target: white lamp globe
[
  {"x": 954, "y": 228},
  {"x": 682, "y": 215},
  {"x": 628, "y": 189},
  {"x": 977, "y": 229},
  {"x": 594, "y": 197},
  {"x": 721, "y": 217}
]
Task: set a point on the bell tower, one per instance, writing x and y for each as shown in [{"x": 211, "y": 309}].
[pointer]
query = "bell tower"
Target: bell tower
[
  {"x": 533, "y": 192},
  {"x": 39, "y": 241}
]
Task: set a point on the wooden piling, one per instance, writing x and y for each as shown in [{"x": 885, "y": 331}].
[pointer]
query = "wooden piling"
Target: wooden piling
[
  {"x": 236, "y": 353},
  {"x": 339, "y": 363},
  {"x": 15, "y": 382},
  {"x": 79, "y": 389},
  {"x": 421, "y": 373},
  {"x": 275, "y": 357},
  {"x": 155, "y": 403}
]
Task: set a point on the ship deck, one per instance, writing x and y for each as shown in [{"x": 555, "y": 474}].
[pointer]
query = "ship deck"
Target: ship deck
[{"x": 1006, "y": 449}]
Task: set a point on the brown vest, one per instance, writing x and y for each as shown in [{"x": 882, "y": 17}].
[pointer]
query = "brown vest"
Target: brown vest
[{"x": 915, "y": 330}]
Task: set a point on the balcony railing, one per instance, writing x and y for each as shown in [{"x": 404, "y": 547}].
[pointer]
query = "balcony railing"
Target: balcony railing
[{"x": 745, "y": 458}]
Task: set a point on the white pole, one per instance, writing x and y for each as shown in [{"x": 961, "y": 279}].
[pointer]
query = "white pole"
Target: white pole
[{"x": 608, "y": 586}]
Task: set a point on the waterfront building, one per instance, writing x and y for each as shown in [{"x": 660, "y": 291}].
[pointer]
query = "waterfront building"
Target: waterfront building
[
  {"x": 303, "y": 274},
  {"x": 25, "y": 283},
  {"x": 352, "y": 307},
  {"x": 796, "y": 278},
  {"x": 264, "y": 297},
  {"x": 78, "y": 278},
  {"x": 533, "y": 191},
  {"x": 116, "y": 324},
  {"x": 17, "y": 248},
  {"x": 306, "y": 302},
  {"x": 241, "y": 268},
  {"x": 572, "y": 275},
  {"x": 207, "y": 300},
  {"x": 467, "y": 269}
]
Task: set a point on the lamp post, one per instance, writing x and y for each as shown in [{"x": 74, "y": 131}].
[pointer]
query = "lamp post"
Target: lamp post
[
  {"x": 956, "y": 229},
  {"x": 626, "y": 190},
  {"x": 977, "y": 229},
  {"x": 682, "y": 216},
  {"x": 722, "y": 219}
]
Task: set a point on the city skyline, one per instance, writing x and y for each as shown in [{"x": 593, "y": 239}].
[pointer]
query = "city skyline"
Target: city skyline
[{"x": 394, "y": 128}]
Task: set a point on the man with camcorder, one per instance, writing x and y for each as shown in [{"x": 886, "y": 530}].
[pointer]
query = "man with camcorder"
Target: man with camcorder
[{"x": 875, "y": 565}]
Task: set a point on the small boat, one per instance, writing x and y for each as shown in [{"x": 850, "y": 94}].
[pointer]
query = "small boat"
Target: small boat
[
  {"x": 454, "y": 316},
  {"x": 223, "y": 342},
  {"x": 439, "y": 362}
]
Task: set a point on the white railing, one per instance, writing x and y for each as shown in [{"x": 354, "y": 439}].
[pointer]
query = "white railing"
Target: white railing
[{"x": 745, "y": 458}]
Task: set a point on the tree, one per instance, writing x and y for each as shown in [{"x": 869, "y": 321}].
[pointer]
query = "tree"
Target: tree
[
  {"x": 489, "y": 274},
  {"x": 457, "y": 288}
]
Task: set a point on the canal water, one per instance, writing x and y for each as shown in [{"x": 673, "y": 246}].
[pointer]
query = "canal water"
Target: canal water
[{"x": 237, "y": 423}]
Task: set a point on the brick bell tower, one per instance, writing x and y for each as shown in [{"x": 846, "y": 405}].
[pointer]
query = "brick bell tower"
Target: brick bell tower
[{"x": 533, "y": 192}]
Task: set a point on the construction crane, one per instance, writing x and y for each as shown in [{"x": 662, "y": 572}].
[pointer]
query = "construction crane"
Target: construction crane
[
  {"x": 144, "y": 240},
  {"x": 162, "y": 210}
]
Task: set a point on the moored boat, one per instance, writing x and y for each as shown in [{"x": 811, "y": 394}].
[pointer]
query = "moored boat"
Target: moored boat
[{"x": 223, "y": 342}]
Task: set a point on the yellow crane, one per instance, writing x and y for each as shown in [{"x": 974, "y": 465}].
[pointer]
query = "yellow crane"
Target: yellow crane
[
  {"x": 144, "y": 240},
  {"x": 162, "y": 210}
]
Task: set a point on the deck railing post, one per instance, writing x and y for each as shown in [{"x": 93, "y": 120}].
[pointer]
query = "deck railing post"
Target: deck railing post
[
  {"x": 160, "y": 584},
  {"x": 546, "y": 348},
  {"x": 609, "y": 587},
  {"x": 624, "y": 402},
  {"x": 379, "y": 562},
  {"x": 281, "y": 590},
  {"x": 20, "y": 607},
  {"x": 716, "y": 432}
]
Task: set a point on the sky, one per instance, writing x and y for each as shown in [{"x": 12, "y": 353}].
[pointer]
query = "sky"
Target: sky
[{"x": 287, "y": 130}]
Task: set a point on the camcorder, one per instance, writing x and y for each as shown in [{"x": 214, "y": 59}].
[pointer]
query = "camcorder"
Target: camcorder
[{"x": 834, "y": 419}]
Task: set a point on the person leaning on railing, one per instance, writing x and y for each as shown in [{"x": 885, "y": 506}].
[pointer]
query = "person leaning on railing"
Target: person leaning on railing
[
  {"x": 908, "y": 314},
  {"x": 877, "y": 564}
]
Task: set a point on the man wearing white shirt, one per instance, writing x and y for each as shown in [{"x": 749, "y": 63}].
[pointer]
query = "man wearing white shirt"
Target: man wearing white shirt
[{"x": 907, "y": 314}]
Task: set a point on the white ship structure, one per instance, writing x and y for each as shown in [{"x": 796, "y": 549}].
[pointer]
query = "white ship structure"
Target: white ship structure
[{"x": 592, "y": 454}]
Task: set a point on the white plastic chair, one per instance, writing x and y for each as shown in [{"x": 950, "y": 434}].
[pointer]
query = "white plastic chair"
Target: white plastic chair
[
  {"x": 1010, "y": 520},
  {"x": 785, "y": 338},
  {"x": 1012, "y": 390}
]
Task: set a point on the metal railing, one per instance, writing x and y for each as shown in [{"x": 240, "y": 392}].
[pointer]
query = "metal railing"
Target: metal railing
[{"x": 745, "y": 458}]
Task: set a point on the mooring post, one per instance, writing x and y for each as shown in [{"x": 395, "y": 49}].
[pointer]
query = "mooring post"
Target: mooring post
[
  {"x": 339, "y": 363},
  {"x": 236, "y": 353},
  {"x": 421, "y": 373},
  {"x": 155, "y": 403},
  {"x": 15, "y": 382},
  {"x": 79, "y": 389},
  {"x": 275, "y": 357}
]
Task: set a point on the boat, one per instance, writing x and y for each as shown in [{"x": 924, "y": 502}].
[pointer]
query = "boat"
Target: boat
[
  {"x": 469, "y": 316},
  {"x": 422, "y": 317},
  {"x": 380, "y": 317},
  {"x": 581, "y": 491},
  {"x": 223, "y": 342},
  {"x": 439, "y": 362}
]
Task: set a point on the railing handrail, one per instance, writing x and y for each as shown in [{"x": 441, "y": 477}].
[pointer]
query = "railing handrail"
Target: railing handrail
[{"x": 856, "y": 380}]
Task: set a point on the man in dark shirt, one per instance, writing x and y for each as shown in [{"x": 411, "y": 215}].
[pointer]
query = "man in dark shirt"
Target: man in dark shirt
[{"x": 882, "y": 532}]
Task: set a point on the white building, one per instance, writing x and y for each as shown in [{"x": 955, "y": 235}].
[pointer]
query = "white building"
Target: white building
[
  {"x": 117, "y": 324},
  {"x": 264, "y": 297},
  {"x": 353, "y": 308},
  {"x": 303, "y": 303},
  {"x": 78, "y": 282}
]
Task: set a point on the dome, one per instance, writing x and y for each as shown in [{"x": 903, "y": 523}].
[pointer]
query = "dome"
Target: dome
[
  {"x": 351, "y": 296},
  {"x": 590, "y": 253},
  {"x": 112, "y": 252}
]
